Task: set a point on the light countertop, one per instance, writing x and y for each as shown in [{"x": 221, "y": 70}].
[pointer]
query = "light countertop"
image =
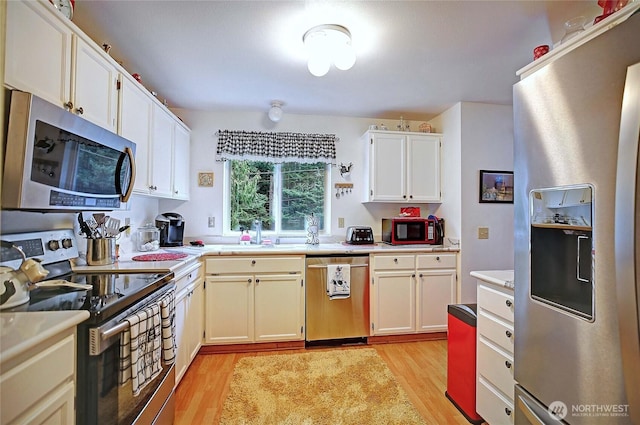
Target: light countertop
[
  {"x": 21, "y": 331},
  {"x": 125, "y": 264},
  {"x": 502, "y": 278}
]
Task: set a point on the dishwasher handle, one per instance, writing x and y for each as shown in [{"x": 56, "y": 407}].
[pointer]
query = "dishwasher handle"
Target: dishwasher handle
[{"x": 324, "y": 266}]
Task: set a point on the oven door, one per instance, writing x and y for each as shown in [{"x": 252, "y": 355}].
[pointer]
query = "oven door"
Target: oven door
[{"x": 105, "y": 385}]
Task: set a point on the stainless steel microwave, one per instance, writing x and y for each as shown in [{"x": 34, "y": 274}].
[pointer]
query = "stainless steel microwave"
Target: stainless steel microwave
[{"x": 56, "y": 160}]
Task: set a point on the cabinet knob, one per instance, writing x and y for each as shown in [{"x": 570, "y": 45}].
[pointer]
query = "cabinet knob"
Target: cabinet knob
[
  {"x": 507, "y": 411},
  {"x": 69, "y": 105},
  {"x": 395, "y": 260},
  {"x": 175, "y": 192},
  {"x": 249, "y": 280},
  {"x": 508, "y": 333},
  {"x": 79, "y": 111},
  {"x": 507, "y": 363},
  {"x": 420, "y": 275},
  {"x": 413, "y": 275},
  {"x": 437, "y": 258},
  {"x": 410, "y": 196},
  {"x": 508, "y": 303},
  {"x": 257, "y": 281},
  {"x": 253, "y": 262},
  {"x": 404, "y": 196}
]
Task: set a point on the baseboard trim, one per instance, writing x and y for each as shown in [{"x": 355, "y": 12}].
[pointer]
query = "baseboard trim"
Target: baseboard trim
[{"x": 389, "y": 339}]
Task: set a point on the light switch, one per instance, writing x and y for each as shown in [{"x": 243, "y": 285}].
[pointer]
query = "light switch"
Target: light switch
[
  {"x": 340, "y": 222},
  {"x": 212, "y": 221},
  {"x": 483, "y": 233}
]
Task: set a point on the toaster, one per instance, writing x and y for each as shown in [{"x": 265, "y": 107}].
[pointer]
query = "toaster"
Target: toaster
[{"x": 359, "y": 235}]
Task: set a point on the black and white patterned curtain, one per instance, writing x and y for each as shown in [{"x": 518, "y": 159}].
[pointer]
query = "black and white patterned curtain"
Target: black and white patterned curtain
[{"x": 276, "y": 147}]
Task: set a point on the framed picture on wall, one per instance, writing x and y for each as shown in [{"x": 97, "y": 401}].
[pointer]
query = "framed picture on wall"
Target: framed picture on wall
[{"x": 496, "y": 186}]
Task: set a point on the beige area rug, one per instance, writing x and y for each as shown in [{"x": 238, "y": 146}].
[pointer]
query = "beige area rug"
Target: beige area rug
[{"x": 337, "y": 387}]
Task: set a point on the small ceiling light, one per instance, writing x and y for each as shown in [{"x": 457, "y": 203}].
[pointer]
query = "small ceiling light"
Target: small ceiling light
[
  {"x": 275, "y": 112},
  {"x": 328, "y": 44}
]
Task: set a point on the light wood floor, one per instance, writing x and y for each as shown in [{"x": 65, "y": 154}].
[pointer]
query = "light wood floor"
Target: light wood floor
[{"x": 420, "y": 367}]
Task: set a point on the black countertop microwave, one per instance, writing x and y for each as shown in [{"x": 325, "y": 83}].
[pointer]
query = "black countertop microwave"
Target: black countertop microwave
[{"x": 56, "y": 160}]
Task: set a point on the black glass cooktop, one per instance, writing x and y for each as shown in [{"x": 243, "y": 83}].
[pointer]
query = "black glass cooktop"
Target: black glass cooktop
[{"x": 109, "y": 293}]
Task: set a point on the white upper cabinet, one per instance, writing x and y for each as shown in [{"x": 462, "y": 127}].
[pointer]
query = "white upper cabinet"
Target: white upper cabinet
[
  {"x": 181, "y": 161},
  {"x": 135, "y": 125},
  {"x": 48, "y": 55},
  {"x": 161, "y": 152},
  {"x": 94, "y": 86},
  {"x": 402, "y": 167},
  {"x": 38, "y": 51}
]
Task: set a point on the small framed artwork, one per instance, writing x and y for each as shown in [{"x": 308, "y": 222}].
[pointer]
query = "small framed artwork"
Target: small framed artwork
[
  {"x": 205, "y": 179},
  {"x": 496, "y": 186}
]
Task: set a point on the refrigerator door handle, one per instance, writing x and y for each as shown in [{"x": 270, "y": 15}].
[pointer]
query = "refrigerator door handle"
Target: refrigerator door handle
[{"x": 627, "y": 232}]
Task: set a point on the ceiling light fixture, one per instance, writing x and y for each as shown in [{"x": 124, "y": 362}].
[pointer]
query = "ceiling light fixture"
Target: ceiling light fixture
[
  {"x": 328, "y": 44},
  {"x": 275, "y": 112}
]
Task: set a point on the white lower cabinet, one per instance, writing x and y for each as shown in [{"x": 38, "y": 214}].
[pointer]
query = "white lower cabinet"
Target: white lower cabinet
[
  {"x": 494, "y": 356},
  {"x": 410, "y": 292},
  {"x": 189, "y": 318},
  {"x": 254, "y": 299},
  {"x": 40, "y": 389}
]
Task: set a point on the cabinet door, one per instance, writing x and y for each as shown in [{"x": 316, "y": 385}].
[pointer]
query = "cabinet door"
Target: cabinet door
[
  {"x": 279, "y": 307},
  {"x": 135, "y": 125},
  {"x": 161, "y": 152},
  {"x": 195, "y": 319},
  {"x": 229, "y": 309},
  {"x": 393, "y": 304},
  {"x": 37, "y": 51},
  {"x": 387, "y": 171},
  {"x": 423, "y": 168},
  {"x": 94, "y": 88},
  {"x": 181, "y": 146},
  {"x": 181, "y": 330},
  {"x": 57, "y": 408},
  {"x": 436, "y": 290}
]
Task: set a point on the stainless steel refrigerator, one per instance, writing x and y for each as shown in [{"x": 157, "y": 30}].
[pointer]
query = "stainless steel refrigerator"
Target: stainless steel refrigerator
[{"x": 577, "y": 234}]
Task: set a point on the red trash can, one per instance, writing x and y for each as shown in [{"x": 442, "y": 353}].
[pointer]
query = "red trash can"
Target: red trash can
[{"x": 461, "y": 360}]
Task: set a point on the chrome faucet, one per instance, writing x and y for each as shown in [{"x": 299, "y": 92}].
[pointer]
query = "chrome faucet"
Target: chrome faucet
[{"x": 258, "y": 226}]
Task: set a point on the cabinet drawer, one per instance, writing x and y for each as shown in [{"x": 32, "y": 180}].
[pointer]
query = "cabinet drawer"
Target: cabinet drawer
[
  {"x": 393, "y": 262},
  {"x": 436, "y": 261},
  {"x": 49, "y": 369},
  {"x": 496, "y": 302},
  {"x": 496, "y": 367},
  {"x": 494, "y": 408},
  {"x": 255, "y": 264},
  {"x": 188, "y": 276},
  {"x": 496, "y": 330}
]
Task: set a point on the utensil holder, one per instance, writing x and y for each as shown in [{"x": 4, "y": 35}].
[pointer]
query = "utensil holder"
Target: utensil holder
[{"x": 101, "y": 251}]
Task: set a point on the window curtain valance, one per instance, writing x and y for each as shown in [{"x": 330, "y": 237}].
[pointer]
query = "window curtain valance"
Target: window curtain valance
[{"x": 276, "y": 147}]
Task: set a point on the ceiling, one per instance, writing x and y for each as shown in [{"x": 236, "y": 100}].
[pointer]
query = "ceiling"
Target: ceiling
[{"x": 414, "y": 58}]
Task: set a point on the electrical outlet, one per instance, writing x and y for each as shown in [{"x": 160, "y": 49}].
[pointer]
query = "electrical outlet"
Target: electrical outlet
[
  {"x": 340, "y": 222},
  {"x": 483, "y": 233},
  {"x": 127, "y": 222},
  {"x": 212, "y": 221}
]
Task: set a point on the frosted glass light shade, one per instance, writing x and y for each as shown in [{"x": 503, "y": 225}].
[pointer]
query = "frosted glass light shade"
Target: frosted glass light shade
[
  {"x": 275, "y": 112},
  {"x": 326, "y": 45}
]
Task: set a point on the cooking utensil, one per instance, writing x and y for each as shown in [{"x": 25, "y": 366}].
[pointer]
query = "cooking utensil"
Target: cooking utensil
[
  {"x": 123, "y": 229},
  {"x": 84, "y": 227},
  {"x": 112, "y": 227}
]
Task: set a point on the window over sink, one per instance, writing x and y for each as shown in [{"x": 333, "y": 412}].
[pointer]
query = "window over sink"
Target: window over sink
[{"x": 280, "y": 195}]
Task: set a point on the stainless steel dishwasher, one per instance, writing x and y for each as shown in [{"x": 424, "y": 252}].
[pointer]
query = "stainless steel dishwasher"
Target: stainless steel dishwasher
[{"x": 330, "y": 319}]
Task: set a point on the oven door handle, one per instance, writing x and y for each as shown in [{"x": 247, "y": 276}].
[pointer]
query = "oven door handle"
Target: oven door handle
[{"x": 99, "y": 339}]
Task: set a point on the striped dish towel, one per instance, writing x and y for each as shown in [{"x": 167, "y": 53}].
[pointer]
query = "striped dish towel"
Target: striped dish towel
[
  {"x": 168, "y": 315},
  {"x": 140, "y": 348}
]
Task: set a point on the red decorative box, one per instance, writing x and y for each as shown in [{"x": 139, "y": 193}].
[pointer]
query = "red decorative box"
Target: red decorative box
[{"x": 410, "y": 211}]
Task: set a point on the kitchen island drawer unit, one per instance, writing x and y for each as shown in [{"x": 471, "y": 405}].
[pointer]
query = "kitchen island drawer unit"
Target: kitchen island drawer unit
[
  {"x": 494, "y": 356},
  {"x": 410, "y": 292},
  {"x": 254, "y": 299}
]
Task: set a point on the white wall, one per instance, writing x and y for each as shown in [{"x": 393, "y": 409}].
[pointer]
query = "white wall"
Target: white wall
[
  {"x": 207, "y": 201},
  {"x": 477, "y": 137}
]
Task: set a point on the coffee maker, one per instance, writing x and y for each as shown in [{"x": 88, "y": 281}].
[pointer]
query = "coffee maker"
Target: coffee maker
[{"x": 171, "y": 227}]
